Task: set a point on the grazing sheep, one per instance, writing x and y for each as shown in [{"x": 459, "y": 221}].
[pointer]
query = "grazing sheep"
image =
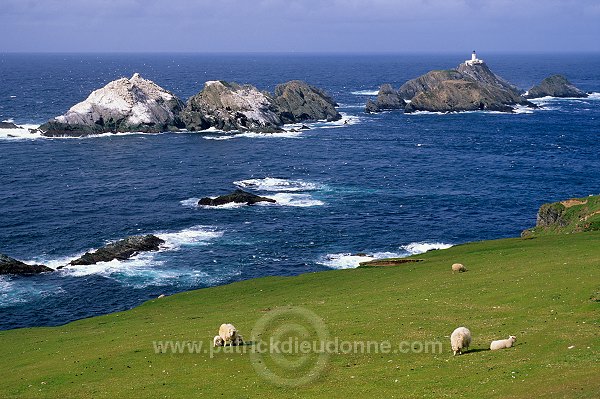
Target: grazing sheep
[
  {"x": 458, "y": 267},
  {"x": 503, "y": 343},
  {"x": 218, "y": 341},
  {"x": 228, "y": 333},
  {"x": 460, "y": 339},
  {"x": 238, "y": 340}
]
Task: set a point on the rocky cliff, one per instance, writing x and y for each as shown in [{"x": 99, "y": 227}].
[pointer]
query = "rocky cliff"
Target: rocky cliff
[
  {"x": 470, "y": 87},
  {"x": 123, "y": 105},
  {"x": 297, "y": 101},
  {"x": 427, "y": 82},
  {"x": 481, "y": 73},
  {"x": 555, "y": 86},
  {"x": 230, "y": 106},
  {"x": 463, "y": 95},
  {"x": 387, "y": 99},
  {"x": 565, "y": 217}
]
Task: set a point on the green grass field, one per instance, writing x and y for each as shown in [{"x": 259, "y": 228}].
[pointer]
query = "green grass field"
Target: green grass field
[{"x": 544, "y": 290}]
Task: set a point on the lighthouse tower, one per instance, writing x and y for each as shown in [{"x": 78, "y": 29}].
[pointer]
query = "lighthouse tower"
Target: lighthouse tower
[{"x": 474, "y": 60}]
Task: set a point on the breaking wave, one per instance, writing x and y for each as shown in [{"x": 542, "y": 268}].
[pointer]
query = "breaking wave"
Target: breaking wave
[
  {"x": 365, "y": 92},
  {"x": 350, "y": 261},
  {"x": 276, "y": 184},
  {"x": 143, "y": 269}
]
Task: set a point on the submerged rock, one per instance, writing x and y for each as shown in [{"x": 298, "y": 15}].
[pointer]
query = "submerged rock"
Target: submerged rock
[
  {"x": 123, "y": 105},
  {"x": 238, "y": 196},
  {"x": 8, "y": 125},
  {"x": 230, "y": 106},
  {"x": 10, "y": 265},
  {"x": 297, "y": 101},
  {"x": 387, "y": 99},
  {"x": 555, "y": 86},
  {"x": 120, "y": 250}
]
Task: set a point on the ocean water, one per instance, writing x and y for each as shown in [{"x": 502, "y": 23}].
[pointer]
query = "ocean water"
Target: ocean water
[{"x": 381, "y": 185}]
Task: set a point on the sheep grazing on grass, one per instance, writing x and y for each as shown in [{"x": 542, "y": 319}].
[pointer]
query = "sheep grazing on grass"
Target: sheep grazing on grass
[
  {"x": 503, "y": 343},
  {"x": 460, "y": 339},
  {"x": 218, "y": 341},
  {"x": 228, "y": 333},
  {"x": 458, "y": 267}
]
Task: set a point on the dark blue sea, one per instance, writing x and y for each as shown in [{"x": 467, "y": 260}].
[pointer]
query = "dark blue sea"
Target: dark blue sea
[{"x": 386, "y": 184}]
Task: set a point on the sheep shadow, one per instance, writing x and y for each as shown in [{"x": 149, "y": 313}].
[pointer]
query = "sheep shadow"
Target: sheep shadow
[{"x": 476, "y": 350}]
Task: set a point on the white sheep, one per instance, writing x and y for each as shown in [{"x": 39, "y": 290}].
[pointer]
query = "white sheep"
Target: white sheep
[
  {"x": 228, "y": 332},
  {"x": 460, "y": 339},
  {"x": 458, "y": 267},
  {"x": 218, "y": 341},
  {"x": 503, "y": 343}
]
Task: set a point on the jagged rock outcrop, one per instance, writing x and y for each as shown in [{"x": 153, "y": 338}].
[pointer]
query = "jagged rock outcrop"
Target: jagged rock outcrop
[
  {"x": 472, "y": 86},
  {"x": 462, "y": 95},
  {"x": 387, "y": 99},
  {"x": 123, "y": 105},
  {"x": 120, "y": 250},
  {"x": 238, "y": 196},
  {"x": 481, "y": 73},
  {"x": 427, "y": 82},
  {"x": 10, "y": 265},
  {"x": 8, "y": 125},
  {"x": 555, "y": 86},
  {"x": 297, "y": 101},
  {"x": 230, "y": 106}
]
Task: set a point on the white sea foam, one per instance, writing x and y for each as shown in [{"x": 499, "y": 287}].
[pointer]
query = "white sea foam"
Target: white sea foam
[
  {"x": 195, "y": 235},
  {"x": 22, "y": 133},
  {"x": 365, "y": 92},
  {"x": 229, "y": 205},
  {"x": 190, "y": 202},
  {"x": 593, "y": 96},
  {"x": 288, "y": 199},
  {"x": 351, "y": 261},
  {"x": 522, "y": 109},
  {"x": 22, "y": 290},
  {"x": 252, "y": 135},
  {"x": 276, "y": 184},
  {"x": 145, "y": 268},
  {"x": 143, "y": 264},
  {"x": 422, "y": 247}
]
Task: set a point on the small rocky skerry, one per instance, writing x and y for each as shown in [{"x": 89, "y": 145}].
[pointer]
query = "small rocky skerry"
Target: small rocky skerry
[
  {"x": 119, "y": 250},
  {"x": 237, "y": 197},
  {"x": 140, "y": 105},
  {"x": 471, "y": 86}
]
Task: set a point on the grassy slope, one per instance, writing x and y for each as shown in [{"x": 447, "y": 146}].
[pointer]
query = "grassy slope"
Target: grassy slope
[{"x": 544, "y": 290}]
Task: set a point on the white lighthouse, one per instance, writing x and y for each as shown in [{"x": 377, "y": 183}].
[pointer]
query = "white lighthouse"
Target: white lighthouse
[{"x": 474, "y": 60}]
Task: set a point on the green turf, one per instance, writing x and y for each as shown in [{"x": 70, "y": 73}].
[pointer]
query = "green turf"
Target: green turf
[{"x": 544, "y": 290}]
